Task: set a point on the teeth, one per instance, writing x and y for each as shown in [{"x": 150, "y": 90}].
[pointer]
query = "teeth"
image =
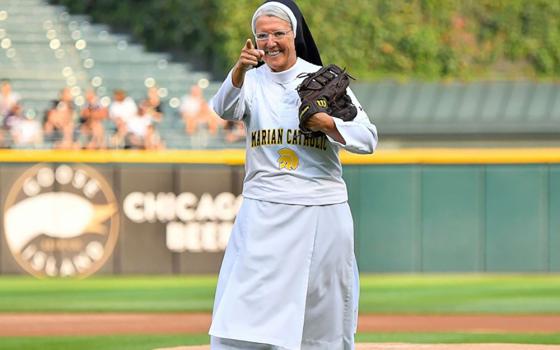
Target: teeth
[{"x": 273, "y": 53}]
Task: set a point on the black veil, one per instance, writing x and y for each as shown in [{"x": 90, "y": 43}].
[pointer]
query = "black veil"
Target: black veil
[{"x": 305, "y": 45}]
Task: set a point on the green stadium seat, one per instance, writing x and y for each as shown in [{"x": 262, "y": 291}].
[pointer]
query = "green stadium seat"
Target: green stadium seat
[
  {"x": 540, "y": 102},
  {"x": 376, "y": 98},
  {"x": 492, "y": 101},
  {"x": 422, "y": 108},
  {"x": 446, "y": 103},
  {"x": 515, "y": 107},
  {"x": 467, "y": 108},
  {"x": 554, "y": 114},
  {"x": 403, "y": 101}
]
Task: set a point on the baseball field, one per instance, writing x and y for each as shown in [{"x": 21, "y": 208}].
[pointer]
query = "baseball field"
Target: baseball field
[{"x": 148, "y": 312}]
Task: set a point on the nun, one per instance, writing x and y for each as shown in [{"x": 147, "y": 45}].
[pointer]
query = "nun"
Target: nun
[{"x": 289, "y": 278}]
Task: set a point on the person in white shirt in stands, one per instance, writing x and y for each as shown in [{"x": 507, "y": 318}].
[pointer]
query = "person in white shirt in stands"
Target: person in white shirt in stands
[
  {"x": 201, "y": 123},
  {"x": 121, "y": 110},
  {"x": 141, "y": 132},
  {"x": 196, "y": 113},
  {"x": 289, "y": 277},
  {"x": 8, "y": 98},
  {"x": 26, "y": 131}
]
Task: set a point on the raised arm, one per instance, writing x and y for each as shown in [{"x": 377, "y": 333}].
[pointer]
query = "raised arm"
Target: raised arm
[{"x": 229, "y": 102}]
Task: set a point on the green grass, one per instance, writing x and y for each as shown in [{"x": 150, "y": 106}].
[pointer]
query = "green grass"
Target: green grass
[
  {"x": 108, "y": 294},
  {"x": 507, "y": 294},
  {"x": 148, "y": 342},
  {"x": 123, "y": 342}
]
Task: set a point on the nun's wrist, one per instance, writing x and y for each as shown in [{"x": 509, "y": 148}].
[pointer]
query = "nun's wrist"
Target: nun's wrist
[{"x": 238, "y": 75}]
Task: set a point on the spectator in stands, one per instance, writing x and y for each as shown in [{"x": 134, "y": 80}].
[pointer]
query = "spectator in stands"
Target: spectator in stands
[
  {"x": 141, "y": 132},
  {"x": 153, "y": 141},
  {"x": 59, "y": 121},
  {"x": 24, "y": 129},
  {"x": 8, "y": 98},
  {"x": 121, "y": 110},
  {"x": 196, "y": 112},
  {"x": 11, "y": 116},
  {"x": 234, "y": 131},
  {"x": 8, "y": 122},
  {"x": 154, "y": 105},
  {"x": 92, "y": 132}
]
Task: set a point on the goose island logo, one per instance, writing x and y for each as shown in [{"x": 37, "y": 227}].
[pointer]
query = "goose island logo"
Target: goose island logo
[{"x": 61, "y": 221}]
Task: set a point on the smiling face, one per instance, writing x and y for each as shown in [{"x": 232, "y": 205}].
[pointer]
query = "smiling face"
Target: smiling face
[{"x": 280, "y": 54}]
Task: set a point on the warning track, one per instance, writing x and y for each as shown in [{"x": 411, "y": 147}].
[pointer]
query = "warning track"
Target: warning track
[{"x": 53, "y": 324}]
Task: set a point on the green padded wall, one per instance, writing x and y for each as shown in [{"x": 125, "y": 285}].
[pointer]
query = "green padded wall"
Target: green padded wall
[
  {"x": 456, "y": 218},
  {"x": 516, "y": 208},
  {"x": 452, "y": 204},
  {"x": 385, "y": 206},
  {"x": 554, "y": 219}
]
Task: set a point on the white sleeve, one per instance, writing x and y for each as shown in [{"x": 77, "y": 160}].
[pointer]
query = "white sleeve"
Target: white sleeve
[
  {"x": 230, "y": 102},
  {"x": 112, "y": 112},
  {"x": 359, "y": 134}
]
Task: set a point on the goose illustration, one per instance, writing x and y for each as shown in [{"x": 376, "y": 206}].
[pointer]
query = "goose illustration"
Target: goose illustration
[{"x": 55, "y": 214}]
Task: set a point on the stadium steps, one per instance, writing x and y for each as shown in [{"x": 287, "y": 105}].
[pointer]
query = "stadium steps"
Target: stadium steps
[
  {"x": 474, "y": 109},
  {"x": 85, "y": 54},
  {"x": 44, "y": 49}
]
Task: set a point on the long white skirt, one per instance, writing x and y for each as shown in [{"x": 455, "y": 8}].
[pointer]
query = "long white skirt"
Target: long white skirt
[{"x": 288, "y": 279}]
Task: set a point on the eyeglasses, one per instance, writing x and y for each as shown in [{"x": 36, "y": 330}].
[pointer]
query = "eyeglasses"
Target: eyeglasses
[{"x": 277, "y": 35}]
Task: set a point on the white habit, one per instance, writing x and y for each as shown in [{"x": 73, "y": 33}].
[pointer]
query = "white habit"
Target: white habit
[{"x": 289, "y": 276}]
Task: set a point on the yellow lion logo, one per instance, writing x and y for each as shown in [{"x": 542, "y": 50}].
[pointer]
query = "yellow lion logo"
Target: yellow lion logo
[{"x": 288, "y": 159}]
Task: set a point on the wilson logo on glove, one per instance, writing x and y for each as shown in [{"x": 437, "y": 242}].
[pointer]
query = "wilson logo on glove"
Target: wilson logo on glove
[{"x": 322, "y": 103}]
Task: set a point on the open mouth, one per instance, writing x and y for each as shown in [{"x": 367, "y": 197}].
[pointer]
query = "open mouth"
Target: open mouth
[{"x": 272, "y": 53}]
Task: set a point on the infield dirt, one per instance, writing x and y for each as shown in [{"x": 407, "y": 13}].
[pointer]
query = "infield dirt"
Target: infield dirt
[{"x": 59, "y": 324}]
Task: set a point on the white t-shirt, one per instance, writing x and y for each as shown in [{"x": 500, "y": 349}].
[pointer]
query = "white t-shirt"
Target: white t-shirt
[
  {"x": 282, "y": 165},
  {"x": 190, "y": 105},
  {"x": 124, "y": 110},
  {"x": 138, "y": 125},
  {"x": 26, "y": 132},
  {"x": 8, "y": 102}
]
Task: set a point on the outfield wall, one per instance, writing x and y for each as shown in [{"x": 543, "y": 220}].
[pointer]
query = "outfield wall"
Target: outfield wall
[
  {"x": 82, "y": 213},
  {"x": 448, "y": 218}
]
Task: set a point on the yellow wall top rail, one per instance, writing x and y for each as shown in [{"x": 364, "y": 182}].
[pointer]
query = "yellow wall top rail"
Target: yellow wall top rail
[{"x": 237, "y": 156}]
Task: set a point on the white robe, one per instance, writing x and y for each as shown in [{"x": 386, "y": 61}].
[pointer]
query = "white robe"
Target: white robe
[{"x": 289, "y": 276}]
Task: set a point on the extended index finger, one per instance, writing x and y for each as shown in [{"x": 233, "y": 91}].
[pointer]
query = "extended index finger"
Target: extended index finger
[{"x": 249, "y": 44}]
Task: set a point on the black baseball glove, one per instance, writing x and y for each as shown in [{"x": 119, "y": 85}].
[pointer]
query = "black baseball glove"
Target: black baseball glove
[{"x": 325, "y": 91}]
